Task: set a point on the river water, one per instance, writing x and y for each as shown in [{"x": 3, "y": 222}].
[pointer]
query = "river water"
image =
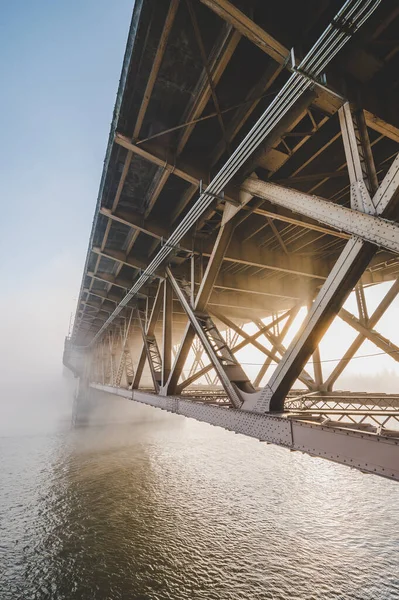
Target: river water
[{"x": 167, "y": 508}]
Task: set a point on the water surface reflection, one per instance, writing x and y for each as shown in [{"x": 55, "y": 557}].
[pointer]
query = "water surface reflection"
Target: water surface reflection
[{"x": 173, "y": 509}]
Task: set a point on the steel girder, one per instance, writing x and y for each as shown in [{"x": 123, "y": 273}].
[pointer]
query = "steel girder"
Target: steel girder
[
  {"x": 354, "y": 347},
  {"x": 228, "y": 369},
  {"x": 202, "y": 298},
  {"x": 367, "y": 226},
  {"x": 304, "y": 376},
  {"x": 371, "y": 453},
  {"x": 149, "y": 331},
  {"x": 167, "y": 331},
  {"x": 152, "y": 353},
  {"x": 249, "y": 340}
]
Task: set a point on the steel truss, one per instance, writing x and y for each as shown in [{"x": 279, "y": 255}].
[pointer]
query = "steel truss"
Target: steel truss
[
  {"x": 353, "y": 446},
  {"x": 358, "y": 430}
]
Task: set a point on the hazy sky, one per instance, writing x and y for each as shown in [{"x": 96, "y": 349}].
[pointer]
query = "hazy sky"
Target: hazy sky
[{"x": 59, "y": 67}]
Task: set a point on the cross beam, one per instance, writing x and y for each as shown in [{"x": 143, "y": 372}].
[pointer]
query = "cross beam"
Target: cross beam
[{"x": 366, "y": 226}]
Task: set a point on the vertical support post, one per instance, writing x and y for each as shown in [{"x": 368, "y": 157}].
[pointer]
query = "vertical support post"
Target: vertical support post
[
  {"x": 317, "y": 370},
  {"x": 359, "y": 158},
  {"x": 192, "y": 265},
  {"x": 361, "y": 303},
  {"x": 156, "y": 309},
  {"x": 291, "y": 318},
  {"x": 204, "y": 292},
  {"x": 167, "y": 331}
]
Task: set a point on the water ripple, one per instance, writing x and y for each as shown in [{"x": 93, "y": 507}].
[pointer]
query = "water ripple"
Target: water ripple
[{"x": 175, "y": 509}]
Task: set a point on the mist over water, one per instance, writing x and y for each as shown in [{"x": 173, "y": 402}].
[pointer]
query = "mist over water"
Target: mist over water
[{"x": 155, "y": 506}]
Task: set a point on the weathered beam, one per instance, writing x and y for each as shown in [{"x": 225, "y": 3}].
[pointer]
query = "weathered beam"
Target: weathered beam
[
  {"x": 267, "y": 43},
  {"x": 304, "y": 377},
  {"x": 112, "y": 279},
  {"x": 369, "y": 452},
  {"x": 228, "y": 370},
  {"x": 134, "y": 219},
  {"x": 157, "y": 156},
  {"x": 146, "y": 98},
  {"x": 380, "y": 341},
  {"x": 361, "y": 165},
  {"x": 188, "y": 381},
  {"x": 156, "y": 309},
  {"x": 228, "y": 12},
  {"x": 167, "y": 331},
  {"x": 191, "y": 175},
  {"x": 300, "y": 223},
  {"x": 370, "y": 228},
  {"x": 218, "y": 61},
  {"x": 156, "y": 64},
  {"x": 354, "y": 347},
  {"x": 251, "y": 254},
  {"x": 156, "y": 230},
  {"x": 203, "y": 295},
  {"x": 291, "y": 317},
  {"x": 343, "y": 277},
  {"x": 153, "y": 355},
  {"x": 381, "y": 126},
  {"x": 117, "y": 255}
]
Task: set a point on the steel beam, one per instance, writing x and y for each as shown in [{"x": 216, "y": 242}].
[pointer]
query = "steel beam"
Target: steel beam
[
  {"x": 322, "y": 52},
  {"x": 277, "y": 343},
  {"x": 304, "y": 376},
  {"x": 218, "y": 61},
  {"x": 167, "y": 331},
  {"x": 150, "y": 329},
  {"x": 369, "y": 228},
  {"x": 249, "y": 340},
  {"x": 153, "y": 354},
  {"x": 359, "y": 155},
  {"x": 369, "y": 452},
  {"x": 227, "y": 11},
  {"x": 203, "y": 295},
  {"x": 354, "y": 347},
  {"x": 230, "y": 373},
  {"x": 380, "y": 341},
  {"x": 156, "y": 64}
]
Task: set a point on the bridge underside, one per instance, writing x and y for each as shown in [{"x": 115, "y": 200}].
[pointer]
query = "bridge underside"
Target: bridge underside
[{"x": 241, "y": 183}]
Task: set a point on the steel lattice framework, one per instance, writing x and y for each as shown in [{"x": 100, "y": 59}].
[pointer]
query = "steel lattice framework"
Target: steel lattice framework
[{"x": 222, "y": 205}]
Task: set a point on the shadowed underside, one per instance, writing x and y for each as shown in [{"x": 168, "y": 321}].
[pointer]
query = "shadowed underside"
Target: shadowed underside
[{"x": 243, "y": 181}]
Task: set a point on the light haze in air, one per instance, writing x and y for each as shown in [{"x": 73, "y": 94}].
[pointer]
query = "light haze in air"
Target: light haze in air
[{"x": 60, "y": 69}]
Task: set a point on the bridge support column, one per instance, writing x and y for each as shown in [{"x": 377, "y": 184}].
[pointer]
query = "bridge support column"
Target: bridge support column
[
  {"x": 229, "y": 371},
  {"x": 201, "y": 301},
  {"x": 167, "y": 331},
  {"x": 149, "y": 330},
  {"x": 277, "y": 344}
]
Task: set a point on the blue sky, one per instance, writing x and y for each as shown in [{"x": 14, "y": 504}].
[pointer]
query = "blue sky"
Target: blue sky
[
  {"x": 59, "y": 67},
  {"x": 60, "y": 64}
]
